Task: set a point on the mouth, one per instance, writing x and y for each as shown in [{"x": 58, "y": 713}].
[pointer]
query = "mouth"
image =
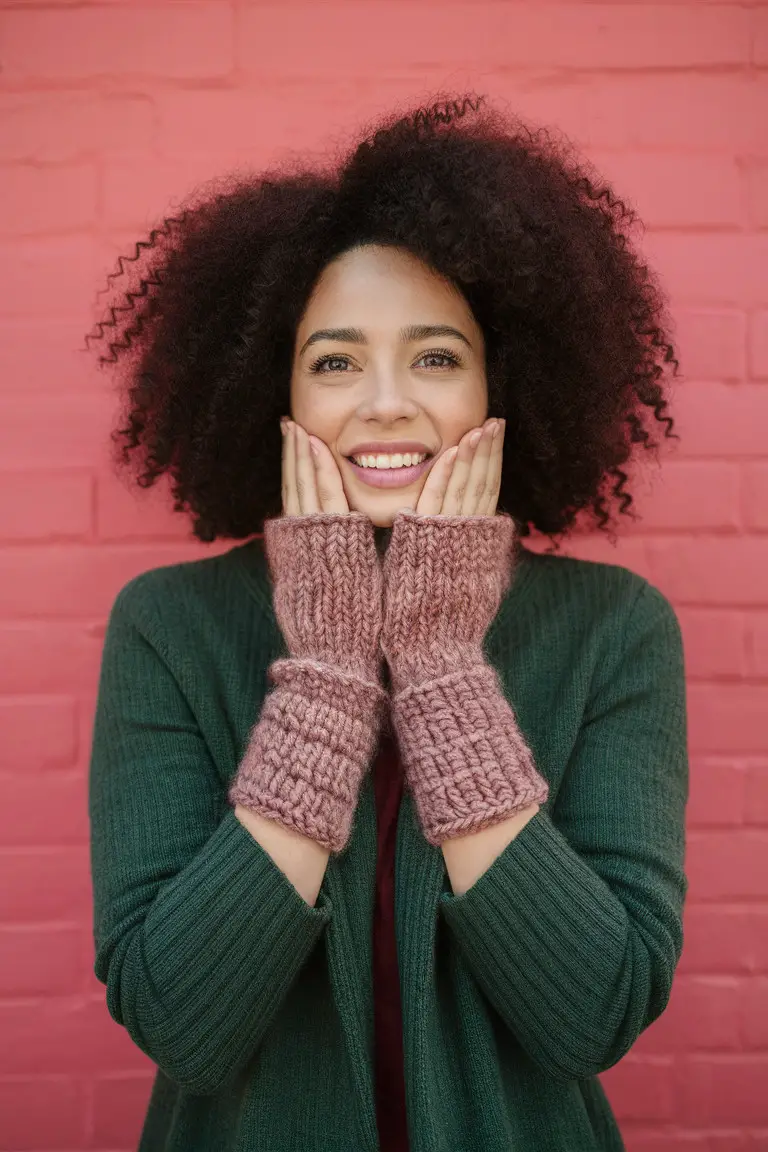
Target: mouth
[{"x": 390, "y": 477}]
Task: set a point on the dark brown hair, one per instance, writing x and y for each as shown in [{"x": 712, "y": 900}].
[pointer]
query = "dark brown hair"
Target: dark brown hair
[{"x": 574, "y": 323}]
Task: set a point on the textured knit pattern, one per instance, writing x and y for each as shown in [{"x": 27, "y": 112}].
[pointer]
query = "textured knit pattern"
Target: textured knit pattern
[
  {"x": 317, "y": 731},
  {"x": 258, "y": 1009},
  {"x": 466, "y": 760}
]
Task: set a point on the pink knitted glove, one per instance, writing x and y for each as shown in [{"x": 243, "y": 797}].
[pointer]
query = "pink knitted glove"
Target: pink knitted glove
[
  {"x": 465, "y": 759},
  {"x": 318, "y": 727}
]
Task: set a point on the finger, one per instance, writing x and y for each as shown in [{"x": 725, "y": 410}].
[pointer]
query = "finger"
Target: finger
[
  {"x": 460, "y": 499},
  {"x": 477, "y": 480},
  {"x": 291, "y": 506},
  {"x": 330, "y": 487},
  {"x": 306, "y": 485},
  {"x": 493, "y": 482},
  {"x": 430, "y": 500}
]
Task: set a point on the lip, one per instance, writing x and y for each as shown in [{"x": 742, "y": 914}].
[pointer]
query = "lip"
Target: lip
[{"x": 391, "y": 477}]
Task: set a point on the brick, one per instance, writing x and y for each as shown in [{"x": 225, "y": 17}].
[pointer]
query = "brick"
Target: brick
[
  {"x": 40, "y": 960},
  {"x": 641, "y": 1138},
  {"x": 141, "y": 195},
  {"x": 59, "y": 126},
  {"x": 669, "y": 190},
  {"x": 640, "y": 1088},
  {"x": 688, "y": 494},
  {"x": 760, "y": 37},
  {"x": 757, "y": 643},
  {"x": 55, "y": 277},
  {"x": 755, "y": 489},
  {"x": 137, "y": 514},
  {"x": 38, "y": 353},
  {"x": 711, "y": 570},
  {"x": 43, "y": 809},
  {"x": 752, "y": 1016},
  {"x": 119, "y": 1107},
  {"x": 758, "y": 346},
  {"x": 37, "y": 200},
  {"x": 87, "y": 579},
  {"x": 723, "y": 269},
  {"x": 37, "y": 733},
  {"x": 121, "y": 41},
  {"x": 757, "y": 794},
  {"x": 720, "y": 939},
  {"x": 722, "y": 866},
  {"x": 44, "y": 1112},
  {"x": 718, "y": 792},
  {"x": 509, "y": 35},
  {"x": 45, "y": 505},
  {"x": 57, "y": 430},
  {"x": 722, "y": 1089},
  {"x": 720, "y": 420},
  {"x": 49, "y": 884},
  {"x": 703, "y": 1015},
  {"x": 629, "y": 552},
  {"x": 714, "y": 642},
  {"x": 59, "y": 1034},
  {"x": 756, "y": 180},
  {"x": 656, "y": 110},
  {"x": 51, "y": 656},
  {"x": 727, "y": 718},
  {"x": 210, "y": 122},
  {"x": 710, "y": 345}
]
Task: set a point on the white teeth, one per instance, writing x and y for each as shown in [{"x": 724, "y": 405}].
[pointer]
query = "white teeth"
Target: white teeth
[{"x": 398, "y": 460}]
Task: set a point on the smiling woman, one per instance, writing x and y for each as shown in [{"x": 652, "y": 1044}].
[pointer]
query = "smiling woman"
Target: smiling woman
[{"x": 445, "y": 951}]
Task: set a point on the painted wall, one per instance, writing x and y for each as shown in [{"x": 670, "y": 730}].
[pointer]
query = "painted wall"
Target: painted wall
[{"x": 108, "y": 112}]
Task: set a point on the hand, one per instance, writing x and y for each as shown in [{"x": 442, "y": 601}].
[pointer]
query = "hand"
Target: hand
[
  {"x": 311, "y": 479},
  {"x": 465, "y": 480}
]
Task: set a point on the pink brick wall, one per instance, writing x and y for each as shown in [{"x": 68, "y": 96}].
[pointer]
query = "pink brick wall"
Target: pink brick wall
[{"x": 110, "y": 110}]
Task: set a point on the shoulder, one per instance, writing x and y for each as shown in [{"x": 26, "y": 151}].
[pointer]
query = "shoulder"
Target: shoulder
[
  {"x": 167, "y": 598},
  {"x": 611, "y": 606}
]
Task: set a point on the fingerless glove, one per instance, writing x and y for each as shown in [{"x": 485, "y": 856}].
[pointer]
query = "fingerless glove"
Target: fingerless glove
[
  {"x": 318, "y": 726},
  {"x": 465, "y": 759}
]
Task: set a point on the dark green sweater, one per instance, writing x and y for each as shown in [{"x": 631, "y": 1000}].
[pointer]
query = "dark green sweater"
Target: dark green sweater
[{"x": 257, "y": 1008}]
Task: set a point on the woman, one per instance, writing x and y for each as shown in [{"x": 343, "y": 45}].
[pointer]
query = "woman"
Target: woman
[{"x": 444, "y": 951}]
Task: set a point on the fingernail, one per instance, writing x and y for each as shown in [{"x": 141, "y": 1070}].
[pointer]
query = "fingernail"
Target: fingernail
[
  {"x": 474, "y": 438},
  {"x": 496, "y": 430},
  {"x": 313, "y": 446}
]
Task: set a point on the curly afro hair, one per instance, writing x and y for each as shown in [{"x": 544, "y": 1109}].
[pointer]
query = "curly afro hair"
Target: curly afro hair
[{"x": 574, "y": 322}]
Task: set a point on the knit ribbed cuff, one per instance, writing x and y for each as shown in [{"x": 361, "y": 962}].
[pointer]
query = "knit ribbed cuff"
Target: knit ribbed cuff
[
  {"x": 309, "y": 751},
  {"x": 466, "y": 761}
]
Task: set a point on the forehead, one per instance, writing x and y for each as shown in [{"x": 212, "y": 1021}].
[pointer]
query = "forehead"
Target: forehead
[{"x": 376, "y": 287}]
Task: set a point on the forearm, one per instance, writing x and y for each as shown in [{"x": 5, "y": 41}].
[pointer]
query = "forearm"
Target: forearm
[
  {"x": 467, "y": 858},
  {"x": 301, "y": 860}
]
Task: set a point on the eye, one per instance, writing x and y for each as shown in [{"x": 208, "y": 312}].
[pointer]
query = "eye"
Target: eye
[{"x": 454, "y": 361}]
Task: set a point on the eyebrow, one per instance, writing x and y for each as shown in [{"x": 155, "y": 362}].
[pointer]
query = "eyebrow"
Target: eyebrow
[{"x": 407, "y": 335}]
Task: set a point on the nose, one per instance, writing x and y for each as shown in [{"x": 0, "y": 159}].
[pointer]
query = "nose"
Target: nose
[{"x": 388, "y": 397}]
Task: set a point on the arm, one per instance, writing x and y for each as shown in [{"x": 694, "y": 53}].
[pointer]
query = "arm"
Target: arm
[
  {"x": 575, "y": 930},
  {"x": 198, "y": 933},
  {"x": 302, "y": 859}
]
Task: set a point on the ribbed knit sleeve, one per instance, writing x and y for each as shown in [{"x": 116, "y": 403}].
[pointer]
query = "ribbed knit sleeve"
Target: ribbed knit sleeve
[
  {"x": 198, "y": 934},
  {"x": 575, "y": 930}
]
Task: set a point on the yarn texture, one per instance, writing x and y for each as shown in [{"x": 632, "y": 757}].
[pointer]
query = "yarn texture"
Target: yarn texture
[
  {"x": 317, "y": 731},
  {"x": 465, "y": 758}
]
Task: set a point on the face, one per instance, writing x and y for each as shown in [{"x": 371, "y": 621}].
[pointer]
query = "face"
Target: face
[{"x": 372, "y": 387}]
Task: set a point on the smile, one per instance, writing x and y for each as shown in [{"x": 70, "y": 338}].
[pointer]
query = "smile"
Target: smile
[{"x": 390, "y": 477}]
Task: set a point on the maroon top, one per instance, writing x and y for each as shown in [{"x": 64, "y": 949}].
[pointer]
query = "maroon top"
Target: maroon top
[{"x": 390, "y": 1078}]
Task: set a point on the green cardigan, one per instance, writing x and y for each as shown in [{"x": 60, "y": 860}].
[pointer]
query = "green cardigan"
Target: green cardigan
[{"x": 257, "y": 1008}]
